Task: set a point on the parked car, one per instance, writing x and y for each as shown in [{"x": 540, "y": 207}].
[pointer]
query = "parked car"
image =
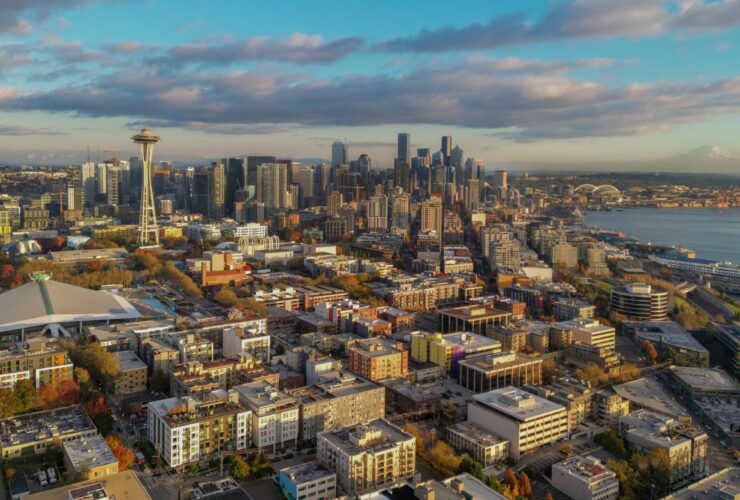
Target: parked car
[
  {"x": 52, "y": 475},
  {"x": 42, "y": 478}
]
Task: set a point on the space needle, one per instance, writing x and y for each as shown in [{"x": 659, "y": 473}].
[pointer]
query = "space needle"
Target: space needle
[{"x": 148, "y": 230}]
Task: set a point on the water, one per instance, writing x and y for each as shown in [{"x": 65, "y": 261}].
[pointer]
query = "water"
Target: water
[{"x": 712, "y": 233}]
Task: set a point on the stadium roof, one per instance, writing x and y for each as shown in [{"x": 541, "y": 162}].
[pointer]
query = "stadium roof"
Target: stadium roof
[{"x": 44, "y": 302}]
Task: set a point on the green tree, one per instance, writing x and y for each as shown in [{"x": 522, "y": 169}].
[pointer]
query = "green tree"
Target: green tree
[
  {"x": 226, "y": 297},
  {"x": 82, "y": 376},
  {"x": 8, "y": 403},
  {"x": 449, "y": 414},
  {"x": 471, "y": 466},
  {"x": 160, "y": 382},
  {"x": 612, "y": 443},
  {"x": 239, "y": 468}
]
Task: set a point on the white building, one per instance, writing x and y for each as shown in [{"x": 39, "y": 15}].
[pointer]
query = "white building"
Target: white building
[
  {"x": 275, "y": 415},
  {"x": 252, "y": 341},
  {"x": 585, "y": 478},
  {"x": 525, "y": 420}
]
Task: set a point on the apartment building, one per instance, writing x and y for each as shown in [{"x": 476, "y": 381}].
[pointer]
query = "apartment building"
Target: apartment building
[
  {"x": 525, "y": 420},
  {"x": 584, "y": 355},
  {"x": 247, "y": 341},
  {"x": 159, "y": 355},
  {"x": 132, "y": 377},
  {"x": 186, "y": 430},
  {"x": 275, "y": 415},
  {"x": 574, "y": 394},
  {"x": 368, "y": 457},
  {"x": 377, "y": 359},
  {"x": 585, "y": 478},
  {"x": 447, "y": 350},
  {"x": 197, "y": 378},
  {"x": 607, "y": 407},
  {"x": 511, "y": 337},
  {"x": 39, "y": 360},
  {"x": 503, "y": 369},
  {"x": 686, "y": 446}
]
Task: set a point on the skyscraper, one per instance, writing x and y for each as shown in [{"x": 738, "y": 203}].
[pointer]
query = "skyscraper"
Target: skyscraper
[
  {"x": 334, "y": 203},
  {"x": 365, "y": 166},
  {"x": 199, "y": 200},
  {"x": 148, "y": 230},
  {"x": 272, "y": 185},
  {"x": 457, "y": 161},
  {"x": 377, "y": 213},
  {"x": 339, "y": 153},
  {"x": 499, "y": 179},
  {"x": 404, "y": 147},
  {"x": 87, "y": 179},
  {"x": 400, "y": 207},
  {"x": 236, "y": 178},
  {"x": 431, "y": 215},
  {"x": 446, "y": 149},
  {"x": 252, "y": 163},
  {"x": 216, "y": 190},
  {"x": 401, "y": 173}
]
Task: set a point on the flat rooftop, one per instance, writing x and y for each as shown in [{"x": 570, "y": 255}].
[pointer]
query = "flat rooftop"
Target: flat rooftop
[
  {"x": 307, "y": 472},
  {"x": 374, "y": 347},
  {"x": 706, "y": 379},
  {"x": 498, "y": 360},
  {"x": 122, "y": 486},
  {"x": 648, "y": 393},
  {"x": 89, "y": 452},
  {"x": 517, "y": 404},
  {"x": 657, "y": 428},
  {"x": 665, "y": 332},
  {"x": 475, "y": 312},
  {"x": 476, "y": 434},
  {"x": 376, "y": 435},
  {"x": 130, "y": 361},
  {"x": 722, "y": 484},
  {"x": 44, "y": 425},
  {"x": 262, "y": 394},
  {"x": 585, "y": 324},
  {"x": 414, "y": 391},
  {"x": 470, "y": 341}
]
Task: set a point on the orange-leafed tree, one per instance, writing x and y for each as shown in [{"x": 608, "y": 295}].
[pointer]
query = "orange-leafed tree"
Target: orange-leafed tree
[
  {"x": 525, "y": 487},
  {"x": 124, "y": 454}
]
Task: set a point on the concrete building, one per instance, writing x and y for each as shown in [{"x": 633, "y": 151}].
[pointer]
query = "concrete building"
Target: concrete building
[
  {"x": 585, "y": 478},
  {"x": 504, "y": 253},
  {"x": 368, "y": 457},
  {"x": 640, "y": 302},
  {"x": 729, "y": 335},
  {"x": 584, "y": 355},
  {"x": 584, "y": 330},
  {"x": 649, "y": 394},
  {"x": 132, "y": 377},
  {"x": 447, "y": 350},
  {"x": 253, "y": 341},
  {"x": 670, "y": 339},
  {"x": 525, "y": 420},
  {"x": 39, "y": 360},
  {"x": 481, "y": 445},
  {"x": 275, "y": 415},
  {"x": 608, "y": 407},
  {"x": 564, "y": 254},
  {"x": 686, "y": 446},
  {"x": 377, "y": 359},
  {"x": 511, "y": 337},
  {"x": 31, "y": 433},
  {"x": 431, "y": 215},
  {"x": 475, "y": 319},
  {"x": 198, "y": 378},
  {"x": 503, "y": 369},
  {"x": 724, "y": 484},
  {"x": 567, "y": 309},
  {"x": 308, "y": 481},
  {"x": 574, "y": 394},
  {"x": 187, "y": 430},
  {"x": 404, "y": 396},
  {"x": 159, "y": 355},
  {"x": 90, "y": 457}
]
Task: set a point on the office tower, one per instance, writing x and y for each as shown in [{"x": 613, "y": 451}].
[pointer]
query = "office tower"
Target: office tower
[
  {"x": 446, "y": 150},
  {"x": 473, "y": 168},
  {"x": 499, "y": 179},
  {"x": 216, "y": 190},
  {"x": 401, "y": 174},
  {"x": 305, "y": 179},
  {"x": 377, "y": 214},
  {"x": 293, "y": 196},
  {"x": 400, "y": 207},
  {"x": 334, "y": 203},
  {"x": 431, "y": 215},
  {"x": 236, "y": 177},
  {"x": 339, "y": 153},
  {"x": 135, "y": 177},
  {"x": 117, "y": 188},
  {"x": 188, "y": 188},
  {"x": 200, "y": 191},
  {"x": 472, "y": 194},
  {"x": 404, "y": 147},
  {"x": 322, "y": 174},
  {"x": 101, "y": 182},
  {"x": 272, "y": 185},
  {"x": 148, "y": 231},
  {"x": 252, "y": 163},
  {"x": 456, "y": 160},
  {"x": 87, "y": 179},
  {"x": 74, "y": 197},
  {"x": 365, "y": 167}
]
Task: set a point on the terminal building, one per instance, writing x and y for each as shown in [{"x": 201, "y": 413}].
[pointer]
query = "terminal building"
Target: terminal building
[{"x": 525, "y": 420}]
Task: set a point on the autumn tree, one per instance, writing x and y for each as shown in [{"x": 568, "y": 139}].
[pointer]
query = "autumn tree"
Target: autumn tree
[
  {"x": 239, "y": 468},
  {"x": 449, "y": 414},
  {"x": 8, "y": 404},
  {"x": 65, "y": 393},
  {"x": 648, "y": 349},
  {"x": 510, "y": 478},
  {"x": 123, "y": 454},
  {"x": 226, "y": 297},
  {"x": 443, "y": 458},
  {"x": 420, "y": 438},
  {"x": 549, "y": 495},
  {"x": 593, "y": 374},
  {"x": 525, "y": 487}
]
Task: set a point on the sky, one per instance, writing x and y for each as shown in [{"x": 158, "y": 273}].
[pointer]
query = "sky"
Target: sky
[{"x": 562, "y": 84}]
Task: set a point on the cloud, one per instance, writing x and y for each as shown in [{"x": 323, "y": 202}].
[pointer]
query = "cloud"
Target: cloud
[
  {"x": 13, "y": 55},
  {"x": 298, "y": 48},
  {"x": 212, "y": 128},
  {"x": 14, "y": 13},
  {"x": 702, "y": 16},
  {"x": 543, "y": 102},
  {"x": 126, "y": 48},
  {"x": 12, "y": 130},
  {"x": 69, "y": 52}
]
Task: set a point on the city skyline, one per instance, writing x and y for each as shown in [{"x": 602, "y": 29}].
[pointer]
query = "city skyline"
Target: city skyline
[{"x": 580, "y": 85}]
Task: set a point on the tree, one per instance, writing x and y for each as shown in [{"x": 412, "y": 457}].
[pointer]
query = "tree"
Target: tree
[
  {"x": 629, "y": 483},
  {"x": 160, "y": 382},
  {"x": 612, "y": 443},
  {"x": 26, "y": 396},
  {"x": 443, "y": 458},
  {"x": 251, "y": 304},
  {"x": 65, "y": 393},
  {"x": 420, "y": 438},
  {"x": 525, "y": 488},
  {"x": 471, "y": 466},
  {"x": 648, "y": 349},
  {"x": 593, "y": 374},
  {"x": 82, "y": 376},
  {"x": 102, "y": 365},
  {"x": 8, "y": 403},
  {"x": 492, "y": 482},
  {"x": 449, "y": 414},
  {"x": 239, "y": 468},
  {"x": 549, "y": 495},
  {"x": 124, "y": 454},
  {"x": 226, "y": 297},
  {"x": 510, "y": 478}
]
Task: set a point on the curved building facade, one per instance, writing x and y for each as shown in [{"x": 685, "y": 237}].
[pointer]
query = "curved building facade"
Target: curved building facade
[{"x": 640, "y": 301}]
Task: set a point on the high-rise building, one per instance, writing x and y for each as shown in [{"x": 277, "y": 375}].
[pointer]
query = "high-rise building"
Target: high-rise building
[
  {"x": 117, "y": 182},
  {"x": 500, "y": 179},
  {"x": 148, "y": 230},
  {"x": 339, "y": 153},
  {"x": 457, "y": 160},
  {"x": 404, "y": 147},
  {"x": 401, "y": 173},
  {"x": 400, "y": 204},
  {"x": 365, "y": 167},
  {"x": 334, "y": 203},
  {"x": 272, "y": 185},
  {"x": 252, "y": 163},
  {"x": 199, "y": 198},
  {"x": 236, "y": 178},
  {"x": 431, "y": 215},
  {"x": 640, "y": 301},
  {"x": 446, "y": 149},
  {"x": 87, "y": 178},
  {"x": 322, "y": 175},
  {"x": 216, "y": 190},
  {"x": 305, "y": 179},
  {"x": 504, "y": 253},
  {"x": 564, "y": 254},
  {"x": 377, "y": 213},
  {"x": 101, "y": 181},
  {"x": 74, "y": 197}
]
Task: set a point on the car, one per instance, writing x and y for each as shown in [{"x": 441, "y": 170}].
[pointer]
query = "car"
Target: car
[
  {"x": 42, "y": 478},
  {"x": 51, "y": 473}
]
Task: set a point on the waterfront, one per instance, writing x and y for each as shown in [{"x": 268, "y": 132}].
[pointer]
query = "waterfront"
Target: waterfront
[{"x": 711, "y": 233}]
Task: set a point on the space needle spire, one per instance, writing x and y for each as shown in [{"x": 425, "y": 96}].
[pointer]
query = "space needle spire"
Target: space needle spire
[{"x": 148, "y": 230}]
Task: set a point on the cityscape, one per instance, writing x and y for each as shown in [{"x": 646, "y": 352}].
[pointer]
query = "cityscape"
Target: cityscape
[{"x": 398, "y": 276}]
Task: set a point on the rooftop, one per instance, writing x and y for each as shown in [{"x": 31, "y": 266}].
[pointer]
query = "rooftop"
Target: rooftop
[
  {"x": 121, "y": 486},
  {"x": 476, "y": 434},
  {"x": 373, "y": 436},
  {"x": 474, "y": 312},
  {"x": 705, "y": 379},
  {"x": 517, "y": 404},
  {"x": 90, "y": 452},
  {"x": 665, "y": 332},
  {"x": 182, "y": 411},
  {"x": 45, "y": 301},
  {"x": 264, "y": 397},
  {"x": 648, "y": 393},
  {"x": 659, "y": 429},
  {"x": 374, "y": 347},
  {"x": 586, "y": 324},
  {"x": 306, "y": 472},
  {"x": 130, "y": 361},
  {"x": 720, "y": 485},
  {"x": 588, "y": 469},
  {"x": 44, "y": 425},
  {"x": 498, "y": 360}
]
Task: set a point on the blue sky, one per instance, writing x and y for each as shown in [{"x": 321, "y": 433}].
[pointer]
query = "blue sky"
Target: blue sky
[{"x": 577, "y": 84}]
